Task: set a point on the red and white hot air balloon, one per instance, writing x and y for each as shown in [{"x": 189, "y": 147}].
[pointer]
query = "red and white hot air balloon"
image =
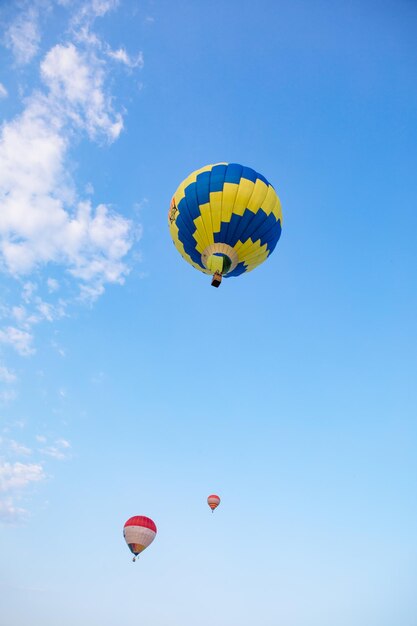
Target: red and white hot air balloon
[
  {"x": 139, "y": 532},
  {"x": 213, "y": 501}
]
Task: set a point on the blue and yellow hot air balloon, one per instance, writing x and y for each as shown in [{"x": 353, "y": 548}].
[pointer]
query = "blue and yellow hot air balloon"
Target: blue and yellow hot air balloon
[{"x": 225, "y": 219}]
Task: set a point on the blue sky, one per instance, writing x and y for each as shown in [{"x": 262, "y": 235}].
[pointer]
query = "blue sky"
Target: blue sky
[{"x": 128, "y": 386}]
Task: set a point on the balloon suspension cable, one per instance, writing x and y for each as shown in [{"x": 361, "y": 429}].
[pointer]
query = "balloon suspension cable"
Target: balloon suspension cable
[{"x": 217, "y": 279}]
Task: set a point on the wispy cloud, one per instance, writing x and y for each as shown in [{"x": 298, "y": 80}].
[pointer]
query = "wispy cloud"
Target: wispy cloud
[
  {"x": 44, "y": 221},
  {"x": 123, "y": 57},
  {"x": 15, "y": 479},
  {"x": 60, "y": 450},
  {"x": 10, "y": 513},
  {"x": 84, "y": 14},
  {"x": 100, "y": 7},
  {"x": 92, "y": 9},
  {"x": 40, "y": 223},
  {"x": 18, "y": 478},
  {"x": 53, "y": 285},
  {"x": 19, "y": 448},
  {"x": 7, "y": 380},
  {"x": 19, "y": 339},
  {"x": 75, "y": 81},
  {"x": 82, "y": 22},
  {"x": 57, "y": 246},
  {"x": 6, "y": 375},
  {"x": 15, "y": 476},
  {"x": 23, "y": 35}
]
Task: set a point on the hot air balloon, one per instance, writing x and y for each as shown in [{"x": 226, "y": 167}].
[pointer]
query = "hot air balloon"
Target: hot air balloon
[
  {"x": 213, "y": 501},
  {"x": 139, "y": 532},
  {"x": 225, "y": 219}
]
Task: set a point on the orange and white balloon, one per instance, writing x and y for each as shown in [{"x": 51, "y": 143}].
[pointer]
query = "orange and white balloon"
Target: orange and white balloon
[
  {"x": 139, "y": 532},
  {"x": 213, "y": 501}
]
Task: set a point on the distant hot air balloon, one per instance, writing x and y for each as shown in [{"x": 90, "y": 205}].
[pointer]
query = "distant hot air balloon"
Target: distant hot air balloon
[
  {"x": 139, "y": 532},
  {"x": 225, "y": 219},
  {"x": 213, "y": 501}
]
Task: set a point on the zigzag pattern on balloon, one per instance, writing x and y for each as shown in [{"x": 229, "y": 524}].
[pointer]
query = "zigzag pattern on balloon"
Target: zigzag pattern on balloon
[{"x": 226, "y": 204}]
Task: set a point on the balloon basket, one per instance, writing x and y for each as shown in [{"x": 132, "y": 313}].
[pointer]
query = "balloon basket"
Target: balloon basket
[{"x": 217, "y": 279}]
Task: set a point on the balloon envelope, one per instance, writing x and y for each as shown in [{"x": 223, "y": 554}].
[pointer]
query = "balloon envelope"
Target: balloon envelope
[
  {"x": 213, "y": 501},
  {"x": 139, "y": 532},
  {"x": 225, "y": 218}
]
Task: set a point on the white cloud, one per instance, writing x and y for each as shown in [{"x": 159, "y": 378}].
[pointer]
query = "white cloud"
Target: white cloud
[
  {"x": 26, "y": 315},
  {"x": 82, "y": 33},
  {"x": 64, "y": 443},
  {"x": 19, "y": 313},
  {"x": 39, "y": 221},
  {"x": 47, "y": 226},
  {"x": 29, "y": 289},
  {"x": 10, "y": 513},
  {"x": 6, "y": 375},
  {"x": 19, "y": 448},
  {"x": 53, "y": 285},
  {"x": 19, "y": 339},
  {"x": 47, "y": 311},
  {"x": 60, "y": 451},
  {"x": 16, "y": 476},
  {"x": 42, "y": 219},
  {"x": 76, "y": 85},
  {"x": 101, "y": 7},
  {"x": 23, "y": 35},
  {"x": 84, "y": 17},
  {"x": 123, "y": 57}
]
